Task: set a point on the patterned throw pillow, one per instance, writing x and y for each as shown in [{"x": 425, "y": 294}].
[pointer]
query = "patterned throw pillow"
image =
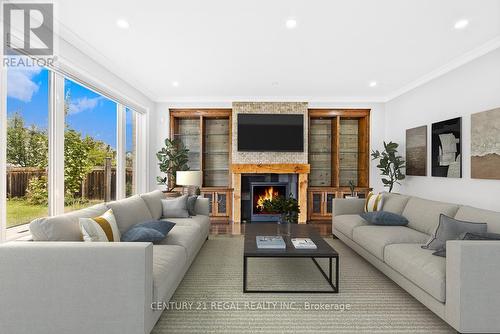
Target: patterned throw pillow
[
  {"x": 373, "y": 202},
  {"x": 102, "y": 228}
]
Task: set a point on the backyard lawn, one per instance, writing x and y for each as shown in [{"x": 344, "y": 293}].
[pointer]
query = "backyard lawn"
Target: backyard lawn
[{"x": 19, "y": 211}]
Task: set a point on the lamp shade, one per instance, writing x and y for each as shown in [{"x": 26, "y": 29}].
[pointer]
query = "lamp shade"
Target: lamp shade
[{"x": 188, "y": 178}]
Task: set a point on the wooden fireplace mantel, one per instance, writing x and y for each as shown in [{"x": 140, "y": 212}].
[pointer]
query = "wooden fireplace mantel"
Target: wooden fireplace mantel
[
  {"x": 271, "y": 168},
  {"x": 301, "y": 169}
]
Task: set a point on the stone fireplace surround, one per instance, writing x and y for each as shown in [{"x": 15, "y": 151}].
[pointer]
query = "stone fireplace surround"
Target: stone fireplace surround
[{"x": 269, "y": 162}]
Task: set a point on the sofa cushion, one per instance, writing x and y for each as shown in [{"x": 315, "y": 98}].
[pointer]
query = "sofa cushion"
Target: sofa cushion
[
  {"x": 188, "y": 237},
  {"x": 100, "y": 229},
  {"x": 419, "y": 266},
  {"x": 63, "y": 227},
  {"x": 424, "y": 214},
  {"x": 153, "y": 202},
  {"x": 375, "y": 238},
  {"x": 130, "y": 211},
  {"x": 395, "y": 203},
  {"x": 475, "y": 215},
  {"x": 175, "y": 207},
  {"x": 169, "y": 262},
  {"x": 346, "y": 223},
  {"x": 199, "y": 221}
]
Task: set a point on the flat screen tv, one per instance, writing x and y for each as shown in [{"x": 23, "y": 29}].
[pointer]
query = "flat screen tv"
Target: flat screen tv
[{"x": 270, "y": 133}]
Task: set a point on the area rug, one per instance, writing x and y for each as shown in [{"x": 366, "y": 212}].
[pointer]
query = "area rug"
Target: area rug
[{"x": 210, "y": 298}]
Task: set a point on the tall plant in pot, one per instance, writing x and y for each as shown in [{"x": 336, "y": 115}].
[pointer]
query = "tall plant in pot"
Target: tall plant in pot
[
  {"x": 173, "y": 157},
  {"x": 390, "y": 164}
]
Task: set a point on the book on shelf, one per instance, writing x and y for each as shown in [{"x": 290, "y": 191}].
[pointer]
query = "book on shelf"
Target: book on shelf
[
  {"x": 303, "y": 243},
  {"x": 270, "y": 242}
]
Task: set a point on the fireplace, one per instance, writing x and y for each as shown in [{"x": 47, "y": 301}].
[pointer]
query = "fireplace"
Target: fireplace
[{"x": 261, "y": 191}]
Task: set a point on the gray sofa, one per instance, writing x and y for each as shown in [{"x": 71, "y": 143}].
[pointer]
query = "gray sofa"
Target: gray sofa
[
  {"x": 463, "y": 288},
  {"x": 59, "y": 284}
]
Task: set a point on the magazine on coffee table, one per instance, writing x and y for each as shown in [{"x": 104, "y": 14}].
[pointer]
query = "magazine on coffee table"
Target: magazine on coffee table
[
  {"x": 270, "y": 242},
  {"x": 303, "y": 243}
]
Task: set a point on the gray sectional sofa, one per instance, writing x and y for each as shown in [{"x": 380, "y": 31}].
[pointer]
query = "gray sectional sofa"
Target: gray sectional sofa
[
  {"x": 59, "y": 284},
  {"x": 463, "y": 288}
]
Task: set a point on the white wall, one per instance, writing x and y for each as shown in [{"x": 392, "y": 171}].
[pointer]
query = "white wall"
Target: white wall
[
  {"x": 160, "y": 129},
  {"x": 471, "y": 88}
]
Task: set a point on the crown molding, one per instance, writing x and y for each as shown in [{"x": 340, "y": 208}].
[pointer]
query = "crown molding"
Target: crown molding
[{"x": 467, "y": 57}]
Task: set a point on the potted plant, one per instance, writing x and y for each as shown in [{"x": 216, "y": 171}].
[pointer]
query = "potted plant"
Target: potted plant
[
  {"x": 390, "y": 164},
  {"x": 172, "y": 157},
  {"x": 286, "y": 207},
  {"x": 352, "y": 188}
]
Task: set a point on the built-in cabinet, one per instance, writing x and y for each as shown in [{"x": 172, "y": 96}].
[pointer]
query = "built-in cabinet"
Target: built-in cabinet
[
  {"x": 338, "y": 154},
  {"x": 338, "y": 147},
  {"x": 207, "y": 135}
]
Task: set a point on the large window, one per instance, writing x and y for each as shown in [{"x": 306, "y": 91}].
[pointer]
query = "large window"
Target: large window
[
  {"x": 89, "y": 147},
  {"x": 92, "y": 136},
  {"x": 27, "y": 144}
]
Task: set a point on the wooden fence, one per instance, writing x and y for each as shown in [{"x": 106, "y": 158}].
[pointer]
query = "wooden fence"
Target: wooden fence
[{"x": 93, "y": 187}]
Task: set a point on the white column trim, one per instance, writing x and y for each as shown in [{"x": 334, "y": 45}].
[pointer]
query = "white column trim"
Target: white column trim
[
  {"x": 121, "y": 163},
  {"x": 3, "y": 152},
  {"x": 141, "y": 158},
  {"x": 56, "y": 144}
]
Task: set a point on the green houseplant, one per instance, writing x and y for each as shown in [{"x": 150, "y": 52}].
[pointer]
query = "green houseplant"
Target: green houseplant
[
  {"x": 390, "y": 164},
  {"x": 287, "y": 207},
  {"x": 172, "y": 157}
]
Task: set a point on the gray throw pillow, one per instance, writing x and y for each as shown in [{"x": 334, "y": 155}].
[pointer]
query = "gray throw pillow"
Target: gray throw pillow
[
  {"x": 450, "y": 229},
  {"x": 150, "y": 231},
  {"x": 191, "y": 202},
  {"x": 175, "y": 207},
  {"x": 479, "y": 236},
  {"x": 384, "y": 218},
  {"x": 469, "y": 236}
]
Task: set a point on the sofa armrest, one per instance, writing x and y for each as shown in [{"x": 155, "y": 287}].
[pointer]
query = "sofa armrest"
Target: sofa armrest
[
  {"x": 472, "y": 285},
  {"x": 201, "y": 207},
  {"x": 342, "y": 206},
  {"x": 76, "y": 287}
]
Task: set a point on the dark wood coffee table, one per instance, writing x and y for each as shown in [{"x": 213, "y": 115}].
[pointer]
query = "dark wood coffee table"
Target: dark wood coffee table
[{"x": 323, "y": 250}]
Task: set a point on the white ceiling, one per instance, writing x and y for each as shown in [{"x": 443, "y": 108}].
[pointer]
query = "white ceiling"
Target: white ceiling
[{"x": 229, "y": 49}]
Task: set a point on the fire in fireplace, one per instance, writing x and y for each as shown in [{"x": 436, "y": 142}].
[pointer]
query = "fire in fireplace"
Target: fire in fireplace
[{"x": 262, "y": 191}]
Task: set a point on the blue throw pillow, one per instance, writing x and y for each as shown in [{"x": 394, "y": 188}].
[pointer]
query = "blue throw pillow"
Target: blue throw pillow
[
  {"x": 150, "y": 231},
  {"x": 384, "y": 218}
]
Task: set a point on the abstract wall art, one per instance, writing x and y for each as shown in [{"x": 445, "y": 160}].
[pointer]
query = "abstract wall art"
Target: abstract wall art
[
  {"x": 447, "y": 148},
  {"x": 416, "y": 151},
  {"x": 485, "y": 145}
]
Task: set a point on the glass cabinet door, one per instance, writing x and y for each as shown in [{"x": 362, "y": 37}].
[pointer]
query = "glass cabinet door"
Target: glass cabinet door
[
  {"x": 317, "y": 198},
  {"x": 222, "y": 204},
  {"x": 329, "y": 202}
]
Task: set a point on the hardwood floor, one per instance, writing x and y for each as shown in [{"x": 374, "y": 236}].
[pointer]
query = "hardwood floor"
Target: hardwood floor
[{"x": 221, "y": 228}]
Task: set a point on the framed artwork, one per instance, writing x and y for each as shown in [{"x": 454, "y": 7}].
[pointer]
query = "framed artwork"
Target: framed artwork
[
  {"x": 447, "y": 148},
  {"x": 416, "y": 151},
  {"x": 485, "y": 145}
]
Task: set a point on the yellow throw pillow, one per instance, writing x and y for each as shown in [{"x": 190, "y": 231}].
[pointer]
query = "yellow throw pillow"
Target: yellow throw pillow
[
  {"x": 373, "y": 202},
  {"x": 102, "y": 228}
]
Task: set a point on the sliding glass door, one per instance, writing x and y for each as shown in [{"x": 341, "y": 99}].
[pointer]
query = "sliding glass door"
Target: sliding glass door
[{"x": 90, "y": 132}]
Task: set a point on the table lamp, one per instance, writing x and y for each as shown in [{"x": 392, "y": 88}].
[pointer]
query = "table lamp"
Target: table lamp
[{"x": 188, "y": 178}]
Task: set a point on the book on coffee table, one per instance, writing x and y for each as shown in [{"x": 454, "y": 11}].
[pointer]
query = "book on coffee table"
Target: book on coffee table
[
  {"x": 303, "y": 243},
  {"x": 270, "y": 242}
]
